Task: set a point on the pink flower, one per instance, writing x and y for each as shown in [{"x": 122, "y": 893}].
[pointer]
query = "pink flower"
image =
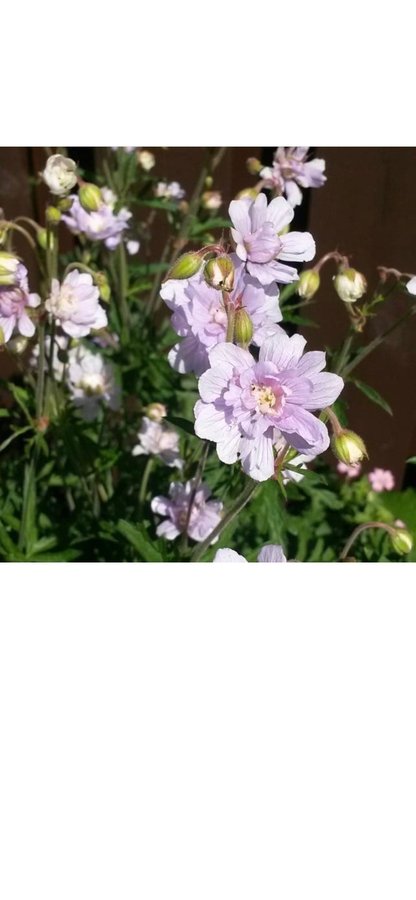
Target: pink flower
[
  {"x": 290, "y": 169},
  {"x": 14, "y": 302},
  {"x": 205, "y": 514},
  {"x": 102, "y": 225},
  {"x": 158, "y": 439},
  {"x": 349, "y": 471},
  {"x": 381, "y": 480},
  {"x": 260, "y": 244},
  {"x": 268, "y": 553},
  {"x": 246, "y": 406},
  {"x": 201, "y": 320},
  {"x": 74, "y": 304}
]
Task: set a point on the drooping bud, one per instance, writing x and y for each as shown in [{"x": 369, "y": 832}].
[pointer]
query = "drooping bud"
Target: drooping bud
[
  {"x": 186, "y": 266},
  {"x": 219, "y": 273},
  {"x": 146, "y": 160},
  {"x": 350, "y": 285},
  {"x": 156, "y": 411},
  {"x": 90, "y": 197},
  {"x": 53, "y": 215},
  {"x": 17, "y": 345},
  {"x": 60, "y": 174},
  {"x": 348, "y": 447},
  {"x": 9, "y": 265},
  {"x": 402, "y": 541},
  {"x": 243, "y": 327},
  {"x": 43, "y": 236},
  {"x": 254, "y": 165},
  {"x": 308, "y": 284},
  {"x": 211, "y": 200}
]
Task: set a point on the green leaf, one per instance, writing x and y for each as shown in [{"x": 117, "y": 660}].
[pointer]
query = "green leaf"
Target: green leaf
[
  {"x": 167, "y": 205},
  {"x": 21, "y": 396},
  {"x": 373, "y": 395},
  {"x": 218, "y": 222},
  {"x": 4, "y": 413},
  {"x": 182, "y": 424},
  {"x": 137, "y": 537},
  {"x": 14, "y": 435},
  {"x": 412, "y": 459}
]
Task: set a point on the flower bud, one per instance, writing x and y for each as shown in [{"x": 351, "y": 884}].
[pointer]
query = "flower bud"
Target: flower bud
[
  {"x": 350, "y": 285},
  {"x": 53, "y": 215},
  {"x": 219, "y": 273},
  {"x": 250, "y": 193},
  {"x": 90, "y": 197},
  {"x": 243, "y": 327},
  {"x": 402, "y": 541},
  {"x": 105, "y": 292},
  {"x": 348, "y": 447},
  {"x": 60, "y": 174},
  {"x": 9, "y": 266},
  {"x": 18, "y": 344},
  {"x": 146, "y": 160},
  {"x": 254, "y": 165},
  {"x": 64, "y": 204},
  {"x": 187, "y": 265},
  {"x": 308, "y": 284},
  {"x": 42, "y": 239},
  {"x": 211, "y": 200},
  {"x": 156, "y": 411}
]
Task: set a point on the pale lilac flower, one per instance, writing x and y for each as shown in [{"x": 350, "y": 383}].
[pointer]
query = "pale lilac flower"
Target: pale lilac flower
[
  {"x": 74, "y": 304},
  {"x": 246, "y": 407},
  {"x": 171, "y": 191},
  {"x": 381, "y": 480},
  {"x": 268, "y": 553},
  {"x": 132, "y": 247},
  {"x": 103, "y": 225},
  {"x": 201, "y": 320},
  {"x": 352, "y": 471},
  {"x": 14, "y": 303},
  {"x": 205, "y": 514},
  {"x": 259, "y": 243},
  {"x": 156, "y": 438},
  {"x": 291, "y": 170},
  {"x": 91, "y": 382}
]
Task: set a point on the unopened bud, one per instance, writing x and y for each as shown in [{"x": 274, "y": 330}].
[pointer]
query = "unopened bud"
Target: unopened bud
[
  {"x": 60, "y": 174},
  {"x": 65, "y": 203},
  {"x": 45, "y": 239},
  {"x": 350, "y": 285},
  {"x": 90, "y": 197},
  {"x": 308, "y": 284},
  {"x": 9, "y": 266},
  {"x": 17, "y": 344},
  {"x": 219, "y": 273},
  {"x": 105, "y": 292},
  {"x": 146, "y": 160},
  {"x": 187, "y": 265},
  {"x": 243, "y": 327},
  {"x": 53, "y": 215},
  {"x": 250, "y": 193},
  {"x": 402, "y": 541},
  {"x": 211, "y": 200},
  {"x": 348, "y": 447},
  {"x": 156, "y": 411},
  {"x": 254, "y": 165}
]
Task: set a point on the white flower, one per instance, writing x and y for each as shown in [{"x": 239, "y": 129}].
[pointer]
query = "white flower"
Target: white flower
[
  {"x": 91, "y": 382},
  {"x": 60, "y": 174},
  {"x": 350, "y": 285},
  {"x": 158, "y": 439},
  {"x": 172, "y": 191},
  {"x": 74, "y": 304},
  {"x": 146, "y": 160}
]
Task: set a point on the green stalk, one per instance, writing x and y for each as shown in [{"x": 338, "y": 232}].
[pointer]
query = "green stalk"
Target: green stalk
[
  {"x": 351, "y": 540},
  {"x": 238, "y": 505},
  {"x": 145, "y": 481}
]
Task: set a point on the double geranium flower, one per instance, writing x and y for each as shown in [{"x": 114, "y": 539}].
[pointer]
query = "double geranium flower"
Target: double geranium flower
[{"x": 247, "y": 407}]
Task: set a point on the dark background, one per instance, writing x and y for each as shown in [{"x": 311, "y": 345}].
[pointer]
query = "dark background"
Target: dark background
[{"x": 367, "y": 209}]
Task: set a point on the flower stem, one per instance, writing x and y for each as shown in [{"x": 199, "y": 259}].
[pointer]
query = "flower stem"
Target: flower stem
[
  {"x": 356, "y": 533},
  {"x": 197, "y": 481},
  {"x": 145, "y": 481},
  {"x": 239, "y": 504}
]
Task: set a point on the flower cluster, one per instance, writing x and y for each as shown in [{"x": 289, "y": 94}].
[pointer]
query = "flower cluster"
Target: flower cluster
[
  {"x": 203, "y": 517},
  {"x": 381, "y": 480},
  {"x": 200, "y": 316},
  {"x": 291, "y": 170},
  {"x": 102, "y": 224},
  {"x": 246, "y": 406}
]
